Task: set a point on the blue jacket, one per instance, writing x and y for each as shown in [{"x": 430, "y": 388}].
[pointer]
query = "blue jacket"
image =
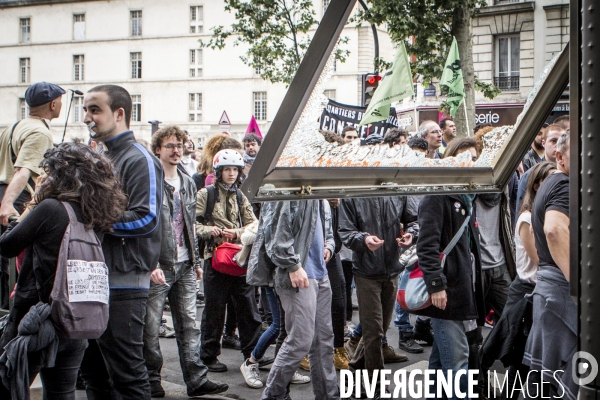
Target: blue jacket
[{"x": 133, "y": 248}]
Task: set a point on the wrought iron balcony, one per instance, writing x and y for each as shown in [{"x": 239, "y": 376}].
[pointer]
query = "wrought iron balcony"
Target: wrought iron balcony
[{"x": 507, "y": 82}]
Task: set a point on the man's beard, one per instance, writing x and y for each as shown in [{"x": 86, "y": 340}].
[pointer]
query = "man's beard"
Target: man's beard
[{"x": 538, "y": 145}]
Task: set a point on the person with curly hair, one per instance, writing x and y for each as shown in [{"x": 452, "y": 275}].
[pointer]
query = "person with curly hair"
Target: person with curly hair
[{"x": 84, "y": 178}]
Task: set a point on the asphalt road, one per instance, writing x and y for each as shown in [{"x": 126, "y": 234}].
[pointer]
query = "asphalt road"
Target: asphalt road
[{"x": 174, "y": 386}]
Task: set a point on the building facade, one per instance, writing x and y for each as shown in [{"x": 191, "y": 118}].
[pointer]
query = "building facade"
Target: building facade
[
  {"x": 151, "y": 48},
  {"x": 513, "y": 41}
]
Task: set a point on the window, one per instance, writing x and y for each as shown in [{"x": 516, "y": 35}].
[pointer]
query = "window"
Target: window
[
  {"x": 260, "y": 105},
  {"x": 196, "y": 19},
  {"x": 325, "y": 5},
  {"x": 136, "y": 65},
  {"x": 195, "y": 107},
  {"x": 195, "y": 63},
  {"x": 508, "y": 62},
  {"x": 24, "y": 70},
  {"x": 330, "y": 94},
  {"x": 23, "y": 109},
  {"x": 78, "y": 26},
  {"x": 25, "y": 30},
  {"x": 78, "y": 109},
  {"x": 78, "y": 68},
  {"x": 136, "y": 110},
  {"x": 257, "y": 71},
  {"x": 136, "y": 23}
]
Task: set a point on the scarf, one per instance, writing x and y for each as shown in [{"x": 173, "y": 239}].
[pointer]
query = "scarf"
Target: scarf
[{"x": 490, "y": 199}]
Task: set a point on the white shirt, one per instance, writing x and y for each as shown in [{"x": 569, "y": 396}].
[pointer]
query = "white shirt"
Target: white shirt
[
  {"x": 526, "y": 268},
  {"x": 178, "y": 222}
]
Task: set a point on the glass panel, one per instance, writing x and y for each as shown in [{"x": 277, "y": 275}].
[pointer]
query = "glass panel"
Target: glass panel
[
  {"x": 502, "y": 56},
  {"x": 192, "y": 56},
  {"x": 199, "y": 56},
  {"x": 515, "y": 55},
  {"x": 192, "y": 101},
  {"x": 199, "y": 96},
  {"x": 192, "y": 13}
]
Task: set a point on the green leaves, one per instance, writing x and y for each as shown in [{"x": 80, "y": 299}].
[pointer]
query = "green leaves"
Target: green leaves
[
  {"x": 276, "y": 33},
  {"x": 424, "y": 24}
]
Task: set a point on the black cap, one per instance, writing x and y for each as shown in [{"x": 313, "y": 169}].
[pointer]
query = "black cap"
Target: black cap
[{"x": 42, "y": 93}]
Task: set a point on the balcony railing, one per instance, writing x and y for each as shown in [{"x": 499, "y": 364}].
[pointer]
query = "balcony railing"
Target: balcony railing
[
  {"x": 507, "y": 82},
  {"x": 498, "y": 2}
]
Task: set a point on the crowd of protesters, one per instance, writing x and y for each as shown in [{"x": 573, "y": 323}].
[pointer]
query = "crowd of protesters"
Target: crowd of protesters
[{"x": 167, "y": 213}]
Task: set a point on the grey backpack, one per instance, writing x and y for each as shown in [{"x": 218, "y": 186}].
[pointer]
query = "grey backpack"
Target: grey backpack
[{"x": 79, "y": 298}]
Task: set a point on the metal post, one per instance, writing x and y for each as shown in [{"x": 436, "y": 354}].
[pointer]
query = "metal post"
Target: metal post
[
  {"x": 154, "y": 124},
  {"x": 375, "y": 39},
  {"x": 587, "y": 178}
]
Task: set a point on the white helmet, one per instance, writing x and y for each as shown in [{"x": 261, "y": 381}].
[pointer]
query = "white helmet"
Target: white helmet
[{"x": 228, "y": 158}]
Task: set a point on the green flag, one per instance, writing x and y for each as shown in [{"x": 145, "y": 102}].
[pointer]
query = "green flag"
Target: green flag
[
  {"x": 452, "y": 77},
  {"x": 397, "y": 84}
]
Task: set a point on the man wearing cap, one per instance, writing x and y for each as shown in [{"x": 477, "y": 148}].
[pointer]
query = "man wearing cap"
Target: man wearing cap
[{"x": 22, "y": 148}]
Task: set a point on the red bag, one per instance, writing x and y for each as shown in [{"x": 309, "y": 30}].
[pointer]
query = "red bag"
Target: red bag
[{"x": 223, "y": 262}]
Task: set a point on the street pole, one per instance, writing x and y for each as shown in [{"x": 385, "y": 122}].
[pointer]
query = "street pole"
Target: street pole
[{"x": 375, "y": 40}]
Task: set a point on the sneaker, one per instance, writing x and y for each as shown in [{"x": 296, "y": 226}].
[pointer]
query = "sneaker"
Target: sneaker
[
  {"x": 351, "y": 345},
  {"x": 423, "y": 332},
  {"x": 350, "y": 325},
  {"x": 200, "y": 299},
  {"x": 390, "y": 356},
  {"x": 208, "y": 387},
  {"x": 347, "y": 333},
  {"x": 166, "y": 331},
  {"x": 251, "y": 375},
  {"x": 298, "y": 378},
  {"x": 215, "y": 365},
  {"x": 231, "y": 342},
  {"x": 340, "y": 361},
  {"x": 264, "y": 361},
  {"x": 156, "y": 389},
  {"x": 407, "y": 343},
  {"x": 305, "y": 364}
]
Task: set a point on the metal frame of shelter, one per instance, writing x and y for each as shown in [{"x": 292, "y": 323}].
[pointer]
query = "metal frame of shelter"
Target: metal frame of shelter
[
  {"x": 578, "y": 64},
  {"x": 268, "y": 182}
]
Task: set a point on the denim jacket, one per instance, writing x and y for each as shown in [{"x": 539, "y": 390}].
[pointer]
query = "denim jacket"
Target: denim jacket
[{"x": 285, "y": 234}]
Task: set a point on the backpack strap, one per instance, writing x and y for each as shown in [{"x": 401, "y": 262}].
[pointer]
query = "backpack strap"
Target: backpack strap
[
  {"x": 454, "y": 240},
  {"x": 70, "y": 211},
  {"x": 13, "y": 156},
  {"x": 238, "y": 195}
]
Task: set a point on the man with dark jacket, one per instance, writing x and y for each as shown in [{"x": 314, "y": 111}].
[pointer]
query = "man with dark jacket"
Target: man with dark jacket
[
  {"x": 177, "y": 271},
  {"x": 131, "y": 250},
  {"x": 455, "y": 289},
  {"x": 369, "y": 227}
]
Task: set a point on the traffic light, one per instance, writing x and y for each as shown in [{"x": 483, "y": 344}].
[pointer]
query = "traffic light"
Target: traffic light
[{"x": 370, "y": 83}]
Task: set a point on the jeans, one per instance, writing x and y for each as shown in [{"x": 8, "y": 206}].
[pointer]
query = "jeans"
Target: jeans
[
  {"x": 181, "y": 291},
  {"x": 450, "y": 351},
  {"x": 270, "y": 335},
  {"x": 218, "y": 289},
  {"x": 338, "y": 300},
  {"x": 308, "y": 323},
  {"x": 376, "y": 299},
  {"x": 122, "y": 347}
]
